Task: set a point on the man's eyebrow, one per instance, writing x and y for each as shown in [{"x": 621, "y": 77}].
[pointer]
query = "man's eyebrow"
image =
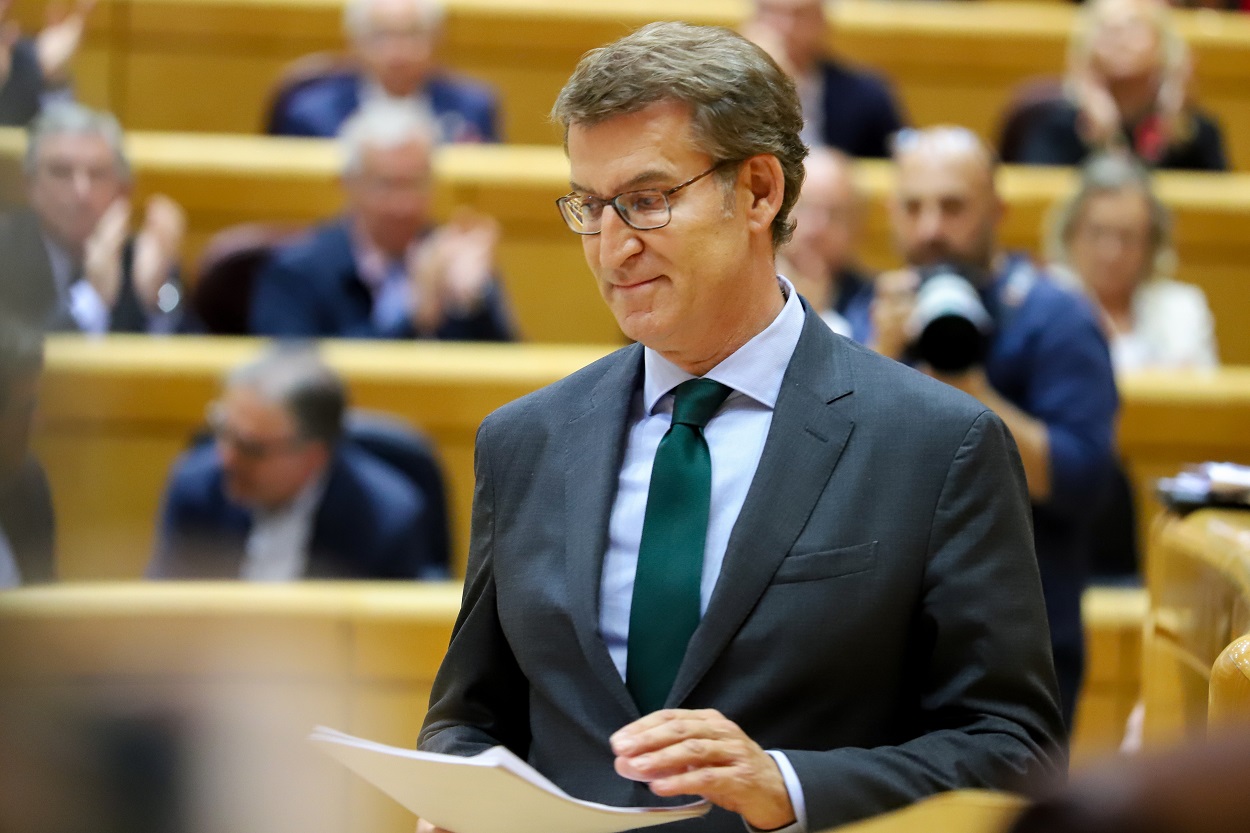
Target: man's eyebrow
[{"x": 644, "y": 178}]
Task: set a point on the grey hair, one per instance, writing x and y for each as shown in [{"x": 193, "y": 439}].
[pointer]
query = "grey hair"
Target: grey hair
[
  {"x": 61, "y": 118},
  {"x": 356, "y": 16},
  {"x": 742, "y": 104},
  {"x": 294, "y": 376},
  {"x": 1111, "y": 173},
  {"x": 21, "y": 350},
  {"x": 383, "y": 123}
]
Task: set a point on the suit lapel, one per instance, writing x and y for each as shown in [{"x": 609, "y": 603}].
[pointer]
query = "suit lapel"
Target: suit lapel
[
  {"x": 594, "y": 447},
  {"x": 809, "y": 430}
]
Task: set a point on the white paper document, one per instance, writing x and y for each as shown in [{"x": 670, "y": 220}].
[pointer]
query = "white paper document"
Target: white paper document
[{"x": 492, "y": 792}]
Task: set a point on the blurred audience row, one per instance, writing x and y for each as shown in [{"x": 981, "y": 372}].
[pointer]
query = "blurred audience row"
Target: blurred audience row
[
  {"x": 382, "y": 270},
  {"x": 385, "y": 270},
  {"x": 285, "y": 482},
  {"x": 1127, "y": 84}
]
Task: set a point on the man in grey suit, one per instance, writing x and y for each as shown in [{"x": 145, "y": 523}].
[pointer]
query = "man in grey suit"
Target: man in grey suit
[{"x": 835, "y": 549}]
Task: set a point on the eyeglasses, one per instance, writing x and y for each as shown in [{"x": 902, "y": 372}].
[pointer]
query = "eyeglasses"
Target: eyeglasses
[
  {"x": 247, "y": 447},
  {"x": 643, "y": 210}
]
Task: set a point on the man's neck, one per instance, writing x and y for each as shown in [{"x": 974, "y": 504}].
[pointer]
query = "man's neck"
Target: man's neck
[{"x": 766, "y": 308}]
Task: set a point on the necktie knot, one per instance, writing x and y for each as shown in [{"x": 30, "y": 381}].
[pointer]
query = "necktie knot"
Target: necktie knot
[{"x": 696, "y": 400}]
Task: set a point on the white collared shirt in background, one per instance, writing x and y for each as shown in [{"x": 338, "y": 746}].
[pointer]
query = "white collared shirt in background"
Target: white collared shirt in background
[{"x": 277, "y": 546}]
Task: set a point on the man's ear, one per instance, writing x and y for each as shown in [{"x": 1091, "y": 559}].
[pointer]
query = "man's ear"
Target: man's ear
[{"x": 766, "y": 184}]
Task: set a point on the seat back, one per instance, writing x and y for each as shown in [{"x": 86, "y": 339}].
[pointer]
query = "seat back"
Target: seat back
[
  {"x": 222, "y": 296},
  {"x": 411, "y": 453},
  {"x": 1026, "y": 105}
]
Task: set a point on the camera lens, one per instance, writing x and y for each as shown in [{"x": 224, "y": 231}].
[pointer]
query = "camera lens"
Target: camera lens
[{"x": 950, "y": 325}]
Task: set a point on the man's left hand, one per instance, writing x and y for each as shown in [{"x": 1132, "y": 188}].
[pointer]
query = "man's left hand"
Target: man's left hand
[{"x": 685, "y": 752}]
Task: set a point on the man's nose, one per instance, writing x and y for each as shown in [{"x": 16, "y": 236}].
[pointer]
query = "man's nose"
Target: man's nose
[
  {"x": 81, "y": 182},
  {"x": 929, "y": 224},
  {"x": 618, "y": 240}
]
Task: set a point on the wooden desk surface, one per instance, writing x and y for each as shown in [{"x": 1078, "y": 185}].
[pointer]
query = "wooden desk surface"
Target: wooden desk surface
[
  {"x": 224, "y": 180},
  {"x": 208, "y": 65}
]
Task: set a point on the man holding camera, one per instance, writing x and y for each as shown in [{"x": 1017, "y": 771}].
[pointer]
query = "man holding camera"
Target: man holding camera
[{"x": 1043, "y": 366}]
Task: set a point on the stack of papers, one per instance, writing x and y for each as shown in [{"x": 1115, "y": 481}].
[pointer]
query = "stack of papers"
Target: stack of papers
[{"x": 492, "y": 792}]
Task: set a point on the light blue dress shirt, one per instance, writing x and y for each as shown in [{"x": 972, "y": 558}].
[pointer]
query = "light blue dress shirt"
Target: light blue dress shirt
[{"x": 735, "y": 438}]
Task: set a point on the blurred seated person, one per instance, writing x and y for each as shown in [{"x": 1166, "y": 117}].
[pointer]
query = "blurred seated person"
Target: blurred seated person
[
  {"x": 1040, "y": 361},
  {"x": 1127, "y": 87},
  {"x": 1113, "y": 240},
  {"x": 1196, "y": 788},
  {"x": 26, "y": 518},
  {"x": 70, "y": 260},
  {"x": 843, "y": 107},
  {"x": 282, "y": 494},
  {"x": 820, "y": 259},
  {"x": 35, "y": 71},
  {"x": 393, "y": 43},
  {"x": 384, "y": 270}
]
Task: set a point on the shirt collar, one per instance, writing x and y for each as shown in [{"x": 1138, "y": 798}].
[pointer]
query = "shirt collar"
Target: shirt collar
[{"x": 755, "y": 369}]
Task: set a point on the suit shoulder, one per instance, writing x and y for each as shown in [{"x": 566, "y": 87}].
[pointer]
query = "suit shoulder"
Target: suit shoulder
[
  {"x": 321, "y": 254},
  {"x": 320, "y": 107},
  {"x": 887, "y": 389},
  {"x": 554, "y": 401},
  {"x": 195, "y": 475}
]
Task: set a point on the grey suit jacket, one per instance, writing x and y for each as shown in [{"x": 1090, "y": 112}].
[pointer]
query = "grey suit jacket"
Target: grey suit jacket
[{"x": 878, "y": 617}]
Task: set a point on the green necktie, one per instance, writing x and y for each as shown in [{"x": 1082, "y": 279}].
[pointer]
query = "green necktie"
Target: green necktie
[{"x": 665, "y": 607}]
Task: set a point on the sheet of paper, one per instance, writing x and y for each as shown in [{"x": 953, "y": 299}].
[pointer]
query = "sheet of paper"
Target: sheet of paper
[{"x": 493, "y": 792}]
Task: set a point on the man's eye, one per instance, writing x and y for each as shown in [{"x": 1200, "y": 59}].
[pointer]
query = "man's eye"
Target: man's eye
[
  {"x": 590, "y": 206},
  {"x": 647, "y": 201}
]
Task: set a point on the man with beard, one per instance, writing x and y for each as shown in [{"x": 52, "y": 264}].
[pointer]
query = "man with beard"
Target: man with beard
[{"x": 1046, "y": 372}]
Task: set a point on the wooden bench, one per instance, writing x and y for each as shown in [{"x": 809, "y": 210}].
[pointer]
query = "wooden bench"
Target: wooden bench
[
  {"x": 208, "y": 65},
  {"x": 223, "y": 180}
]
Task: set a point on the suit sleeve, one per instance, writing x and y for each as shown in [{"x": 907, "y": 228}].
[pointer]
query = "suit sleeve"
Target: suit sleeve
[
  {"x": 172, "y": 536},
  {"x": 988, "y": 707},
  {"x": 1072, "y": 390},
  {"x": 479, "y": 696},
  {"x": 282, "y": 303}
]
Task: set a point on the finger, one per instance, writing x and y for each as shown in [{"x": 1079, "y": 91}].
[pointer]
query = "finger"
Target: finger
[
  {"x": 693, "y": 753},
  {"x": 664, "y": 727}
]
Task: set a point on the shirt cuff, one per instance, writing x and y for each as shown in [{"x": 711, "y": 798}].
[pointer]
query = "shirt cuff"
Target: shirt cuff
[
  {"x": 794, "y": 789},
  {"x": 90, "y": 312}
]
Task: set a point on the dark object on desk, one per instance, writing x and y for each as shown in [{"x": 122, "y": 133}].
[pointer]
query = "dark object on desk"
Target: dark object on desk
[{"x": 1199, "y": 789}]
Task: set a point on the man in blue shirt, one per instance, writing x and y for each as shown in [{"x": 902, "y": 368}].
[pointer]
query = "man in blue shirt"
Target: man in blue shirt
[
  {"x": 1047, "y": 371},
  {"x": 844, "y": 107}
]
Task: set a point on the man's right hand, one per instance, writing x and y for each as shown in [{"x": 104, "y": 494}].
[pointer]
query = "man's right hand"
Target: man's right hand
[
  {"x": 894, "y": 300},
  {"x": 102, "y": 253}
]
